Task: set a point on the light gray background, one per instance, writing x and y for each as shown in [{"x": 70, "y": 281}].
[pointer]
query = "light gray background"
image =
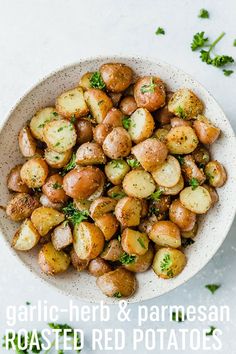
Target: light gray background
[{"x": 38, "y": 36}]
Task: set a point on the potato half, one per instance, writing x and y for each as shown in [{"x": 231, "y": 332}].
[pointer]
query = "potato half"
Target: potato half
[
  {"x": 116, "y": 170},
  {"x": 197, "y": 200},
  {"x": 166, "y": 234},
  {"x": 26, "y": 237},
  {"x": 98, "y": 267},
  {"x": 149, "y": 92},
  {"x": 139, "y": 184},
  {"x": 27, "y": 143},
  {"x": 141, "y": 125},
  {"x": 72, "y": 103},
  {"x": 215, "y": 173},
  {"x": 108, "y": 224},
  {"x": 113, "y": 251},
  {"x": 181, "y": 140},
  {"x": 168, "y": 262},
  {"x": 116, "y": 76},
  {"x": 185, "y": 104},
  {"x": 62, "y": 236},
  {"x": 173, "y": 190},
  {"x": 101, "y": 206},
  {"x": 45, "y": 219},
  {"x": 14, "y": 181},
  {"x": 99, "y": 103},
  {"x": 141, "y": 263},
  {"x": 52, "y": 261},
  {"x": 128, "y": 211},
  {"x": 167, "y": 174},
  {"x": 57, "y": 159},
  {"x": 40, "y": 119},
  {"x": 181, "y": 216},
  {"x": 206, "y": 132},
  {"x": 117, "y": 143},
  {"x": 90, "y": 154},
  {"x": 134, "y": 242},
  {"x": 88, "y": 240},
  {"x": 34, "y": 172},
  {"x": 21, "y": 206}
]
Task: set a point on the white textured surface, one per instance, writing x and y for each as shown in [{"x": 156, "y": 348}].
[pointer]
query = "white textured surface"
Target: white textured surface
[{"x": 38, "y": 36}]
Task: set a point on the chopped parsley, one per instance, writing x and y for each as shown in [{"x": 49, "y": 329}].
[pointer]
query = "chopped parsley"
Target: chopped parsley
[
  {"x": 180, "y": 112},
  {"x": 96, "y": 81},
  {"x": 234, "y": 43},
  {"x": 74, "y": 215},
  {"x": 212, "y": 287},
  {"x": 118, "y": 195},
  {"x": 193, "y": 182},
  {"x": 178, "y": 316},
  {"x": 180, "y": 159},
  {"x": 185, "y": 242},
  {"x": 160, "y": 30},
  {"x": 55, "y": 114},
  {"x": 71, "y": 164},
  {"x": 156, "y": 195},
  {"x": 227, "y": 72},
  {"x": 166, "y": 264},
  {"x": 118, "y": 295},
  {"x": 126, "y": 122},
  {"x": 210, "y": 331},
  {"x": 133, "y": 163},
  {"x": 140, "y": 241},
  {"x": 117, "y": 163},
  {"x": 56, "y": 185},
  {"x": 127, "y": 259},
  {"x": 73, "y": 119},
  {"x": 203, "y": 13},
  {"x": 198, "y": 41},
  {"x": 149, "y": 88}
]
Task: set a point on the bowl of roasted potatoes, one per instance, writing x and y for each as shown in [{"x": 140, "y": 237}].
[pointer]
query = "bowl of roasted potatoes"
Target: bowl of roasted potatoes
[{"x": 117, "y": 179}]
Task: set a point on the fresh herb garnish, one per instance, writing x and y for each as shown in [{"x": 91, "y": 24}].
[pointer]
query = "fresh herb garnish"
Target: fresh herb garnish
[
  {"x": 118, "y": 195},
  {"x": 156, "y": 195},
  {"x": 96, "y": 81},
  {"x": 178, "y": 316},
  {"x": 227, "y": 72},
  {"x": 180, "y": 112},
  {"x": 71, "y": 164},
  {"x": 140, "y": 241},
  {"x": 193, "y": 182},
  {"x": 73, "y": 119},
  {"x": 56, "y": 185},
  {"x": 180, "y": 159},
  {"x": 185, "y": 242},
  {"x": 203, "y": 13},
  {"x": 28, "y": 303},
  {"x": 118, "y": 295},
  {"x": 198, "y": 41},
  {"x": 160, "y": 30},
  {"x": 149, "y": 88},
  {"x": 55, "y": 114},
  {"x": 133, "y": 163},
  {"x": 127, "y": 259},
  {"x": 234, "y": 43},
  {"x": 153, "y": 210},
  {"x": 211, "y": 331},
  {"x": 117, "y": 163},
  {"x": 126, "y": 122},
  {"x": 212, "y": 287},
  {"x": 75, "y": 215},
  {"x": 166, "y": 264}
]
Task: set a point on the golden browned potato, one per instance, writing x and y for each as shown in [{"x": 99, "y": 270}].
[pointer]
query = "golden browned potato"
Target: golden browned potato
[
  {"x": 116, "y": 170},
  {"x": 57, "y": 159},
  {"x": 163, "y": 115},
  {"x": 215, "y": 173},
  {"x": 52, "y": 261},
  {"x": 14, "y": 181},
  {"x": 113, "y": 251},
  {"x": 191, "y": 233},
  {"x": 21, "y": 206},
  {"x": 160, "y": 205},
  {"x": 99, "y": 103},
  {"x": 182, "y": 217},
  {"x": 134, "y": 242},
  {"x": 59, "y": 135},
  {"x": 115, "y": 97},
  {"x": 98, "y": 267},
  {"x": 206, "y": 132},
  {"x": 40, "y": 119},
  {"x": 72, "y": 103},
  {"x": 85, "y": 81},
  {"x": 34, "y": 172},
  {"x": 165, "y": 233},
  {"x": 78, "y": 264},
  {"x": 101, "y": 206},
  {"x": 114, "y": 118},
  {"x": 141, "y": 125},
  {"x": 53, "y": 189},
  {"x": 118, "y": 283},
  {"x": 62, "y": 236},
  {"x": 197, "y": 200},
  {"x": 213, "y": 194},
  {"x": 47, "y": 203},
  {"x": 116, "y": 192},
  {"x": 117, "y": 144},
  {"x": 100, "y": 132},
  {"x": 45, "y": 219},
  {"x": 191, "y": 170},
  {"x": 83, "y": 204},
  {"x": 149, "y": 93},
  {"x": 141, "y": 263},
  {"x": 81, "y": 184},
  {"x": 26, "y": 237},
  {"x": 128, "y": 211},
  {"x": 173, "y": 190},
  {"x": 128, "y": 105},
  {"x": 84, "y": 130},
  {"x": 161, "y": 134},
  {"x": 168, "y": 262},
  {"x": 150, "y": 153},
  {"x": 90, "y": 154},
  {"x": 168, "y": 173},
  {"x": 117, "y": 77},
  {"x": 108, "y": 224},
  {"x": 88, "y": 240},
  {"x": 27, "y": 143},
  {"x": 201, "y": 156},
  {"x": 179, "y": 122},
  {"x": 185, "y": 104},
  {"x": 145, "y": 207},
  {"x": 139, "y": 184},
  {"x": 181, "y": 140}
]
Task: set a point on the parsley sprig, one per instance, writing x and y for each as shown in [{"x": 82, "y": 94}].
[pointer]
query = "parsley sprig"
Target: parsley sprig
[
  {"x": 166, "y": 264},
  {"x": 211, "y": 331},
  {"x": 74, "y": 215},
  {"x": 133, "y": 163},
  {"x": 156, "y": 195},
  {"x": 193, "y": 182},
  {"x": 203, "y": 13},
  {"x": 199, "y": 41},
  {"x": 71, "y": 164},
  {"x": 178, "y": 316},
  {"x": 127, "y": 259},
  {"x": 160, "y": 30},
  {"x": 149, "y": 88},
  {"x": 212, "y": 287},
  {"x": 96, "y": 81}
]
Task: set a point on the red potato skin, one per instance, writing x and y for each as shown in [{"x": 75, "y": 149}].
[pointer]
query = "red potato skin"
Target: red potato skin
[
  {"x": 191, "y": 170},
  {"x": 81, "y": 184},
  {"x": 179, "y": 122},
  {"x": 98, "y": 267},
  {"x": 128, "y": 105},
  {"x": 206, "y": 133},
  {"x": 181, "y": 216},
  {"x": 114, "y": 118},
  {"x": 100, "y": 132},
  {"x": 84, "y": 130},
  {"x": 14, "y": 181},
  {"x": 163, "y": 115},
  {"x": 21, "y": 206},
  {"x": 116, "y": 76},
  {"x": 150, "y": 100},
  {"x": 53, "y": 189}
]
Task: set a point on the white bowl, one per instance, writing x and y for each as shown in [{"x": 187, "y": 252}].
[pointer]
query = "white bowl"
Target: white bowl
[{"x": 213, "y": 227}]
